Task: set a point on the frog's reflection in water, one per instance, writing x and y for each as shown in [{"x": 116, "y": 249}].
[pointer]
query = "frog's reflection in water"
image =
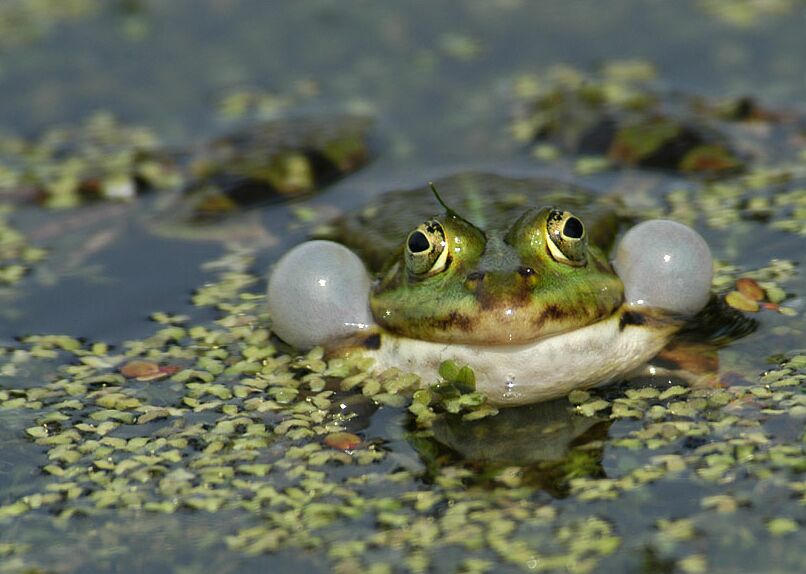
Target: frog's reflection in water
[{"x": 543, "y": 445}]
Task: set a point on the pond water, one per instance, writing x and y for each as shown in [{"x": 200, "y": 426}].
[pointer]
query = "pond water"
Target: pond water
[{"x": 150, "y": 422}]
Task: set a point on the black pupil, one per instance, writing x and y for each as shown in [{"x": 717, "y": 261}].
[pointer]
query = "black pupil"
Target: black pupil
[
  {"x": 418, "y": 242},
  {"x": 573, "y": 228}
]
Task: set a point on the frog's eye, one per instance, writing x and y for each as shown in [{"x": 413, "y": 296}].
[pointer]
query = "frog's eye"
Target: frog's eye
[
  {"x": 425, "y": 249},
  {"x": 567, "y": 240}
]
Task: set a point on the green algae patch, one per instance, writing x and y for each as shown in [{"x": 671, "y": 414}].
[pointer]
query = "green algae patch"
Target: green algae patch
[
  {"x": 272, "y": 160},
  {"x": 17, "y": 255},
  {"x": 620, "y": 118},
  {"x": 259, "y": 103},
  {"x": 455, "y": 393},
  {"x": 98, "y": 159},
  {"x": 746, "y": 14},
  {"x": 24, "y": 21},
  {"x": 782, "y": 526},
  {"x": 104, "y": 160}
]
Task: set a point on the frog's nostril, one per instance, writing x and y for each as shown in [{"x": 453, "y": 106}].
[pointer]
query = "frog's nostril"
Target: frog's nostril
[
  {"x": 473, "y": 280},
  {"x": 525, "y": 271}
]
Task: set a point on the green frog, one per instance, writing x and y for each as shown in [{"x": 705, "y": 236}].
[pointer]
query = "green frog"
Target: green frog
[{"x": 512, "y": 277}]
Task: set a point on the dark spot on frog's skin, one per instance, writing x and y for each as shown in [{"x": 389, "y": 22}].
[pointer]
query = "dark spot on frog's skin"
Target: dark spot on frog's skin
[
  {"x": 453, "y": 320},
  {"x": 631, "y": 318},
  {"x": 530, "y": 280},
  {"x": 373, "y": 342},
  {"x": 555, "y": 215},
  {"x": 552, "y": 312},
  {"x": 473, "y": 281},
  {"x": 433, "y": 227}
]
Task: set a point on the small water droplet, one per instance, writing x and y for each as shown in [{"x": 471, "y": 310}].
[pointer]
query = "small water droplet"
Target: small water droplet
[{"x": 509, "y": 385}]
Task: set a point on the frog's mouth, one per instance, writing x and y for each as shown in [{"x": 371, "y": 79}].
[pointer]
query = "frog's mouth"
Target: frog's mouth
[{"x": 500, "y": 325}]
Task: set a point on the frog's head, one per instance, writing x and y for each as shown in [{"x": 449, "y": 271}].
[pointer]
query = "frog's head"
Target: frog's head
[{"x": 455, "y": 283}]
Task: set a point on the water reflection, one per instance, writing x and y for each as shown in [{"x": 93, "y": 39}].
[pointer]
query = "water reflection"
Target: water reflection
[{"x": 548, "y": 443}]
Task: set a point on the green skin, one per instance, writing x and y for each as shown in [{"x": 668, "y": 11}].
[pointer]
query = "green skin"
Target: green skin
[{"x": 515, "y": 280}]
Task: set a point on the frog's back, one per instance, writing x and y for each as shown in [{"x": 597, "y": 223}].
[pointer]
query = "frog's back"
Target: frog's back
[{"x": 489, "y": 201}]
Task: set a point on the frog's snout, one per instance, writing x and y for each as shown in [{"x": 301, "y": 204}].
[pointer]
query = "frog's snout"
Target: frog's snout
[{"x": 498, "y": 286}]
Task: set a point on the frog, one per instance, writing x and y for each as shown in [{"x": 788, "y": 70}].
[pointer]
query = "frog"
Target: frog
[{"x": 514, "y": 277}]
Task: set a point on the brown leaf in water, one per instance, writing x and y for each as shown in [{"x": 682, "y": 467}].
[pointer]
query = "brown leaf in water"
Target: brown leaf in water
[
  {"x": 750, "y": 289},
  {"x": 343, "y": 440}
]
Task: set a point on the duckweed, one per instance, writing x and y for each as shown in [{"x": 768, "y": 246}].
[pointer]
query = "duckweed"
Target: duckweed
[
  {"x": 746, "y": 14},
  {"x": 17, "y": 255},
  {"x": 98, "y": 159},
  {"x": 22, "y": 22}
]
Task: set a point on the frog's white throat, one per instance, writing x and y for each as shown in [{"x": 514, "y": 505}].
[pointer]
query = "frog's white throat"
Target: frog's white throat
[{"x": 549, "y": 368}]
